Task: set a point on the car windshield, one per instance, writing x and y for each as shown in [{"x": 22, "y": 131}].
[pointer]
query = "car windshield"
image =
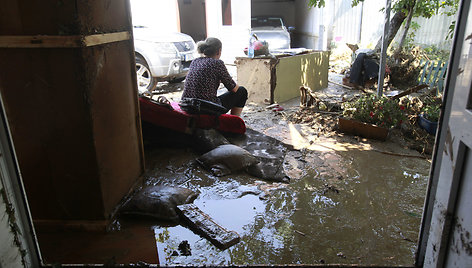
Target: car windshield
[{"x": 266, "y": 22}]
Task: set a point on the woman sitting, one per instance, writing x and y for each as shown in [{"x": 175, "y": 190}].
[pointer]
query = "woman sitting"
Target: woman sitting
[{"x": 205, "y": 75}]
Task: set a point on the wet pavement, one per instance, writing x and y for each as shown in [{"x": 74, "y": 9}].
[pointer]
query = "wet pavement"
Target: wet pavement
[{"x": 347, "y": 202}]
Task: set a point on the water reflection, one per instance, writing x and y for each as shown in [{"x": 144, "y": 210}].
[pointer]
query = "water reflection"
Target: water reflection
[{"x": 367, "y": 212}]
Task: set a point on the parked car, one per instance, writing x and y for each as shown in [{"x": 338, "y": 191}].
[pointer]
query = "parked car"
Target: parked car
[
  {"x": 273, "y": 30},
  {"x": 161, "y": 56}
]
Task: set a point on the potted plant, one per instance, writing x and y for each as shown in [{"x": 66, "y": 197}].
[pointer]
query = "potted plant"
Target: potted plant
[
  {"x": 371, "y": 117},
  {"x": 429, "y": 116}
]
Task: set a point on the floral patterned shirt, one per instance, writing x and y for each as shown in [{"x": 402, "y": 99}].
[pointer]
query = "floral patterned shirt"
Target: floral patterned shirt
[{"x": 204, "y": 78}]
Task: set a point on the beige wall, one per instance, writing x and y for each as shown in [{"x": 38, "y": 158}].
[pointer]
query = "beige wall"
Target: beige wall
[{"x": 236, "y": 37}]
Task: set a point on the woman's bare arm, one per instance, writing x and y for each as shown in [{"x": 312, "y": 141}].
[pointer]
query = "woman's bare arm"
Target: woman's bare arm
[{"x": 235, "y": 89}]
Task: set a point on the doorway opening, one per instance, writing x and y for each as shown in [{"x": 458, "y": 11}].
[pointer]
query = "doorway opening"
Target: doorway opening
[{"x": 193, "y": 18}]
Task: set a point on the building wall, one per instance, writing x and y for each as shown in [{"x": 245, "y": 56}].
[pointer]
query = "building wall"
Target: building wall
[
  {"x": 347, "y": 25},
  {"x": 159, "y": 14},
  {"x": 309, "y": 27},
  {"x": 235, "y": 37}
]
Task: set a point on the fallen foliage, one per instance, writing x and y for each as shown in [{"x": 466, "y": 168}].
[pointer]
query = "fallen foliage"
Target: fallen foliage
[{"x": 409, "y": 134}]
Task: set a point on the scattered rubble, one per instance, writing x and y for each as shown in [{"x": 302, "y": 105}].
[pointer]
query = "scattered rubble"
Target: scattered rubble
[{"x": 325, "y": 121}]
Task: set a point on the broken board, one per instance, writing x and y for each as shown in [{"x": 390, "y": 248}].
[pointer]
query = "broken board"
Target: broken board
[{"x": 202, "y": 224}]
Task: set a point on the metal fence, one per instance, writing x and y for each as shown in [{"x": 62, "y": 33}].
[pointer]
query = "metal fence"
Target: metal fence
[{"x": 363, "y": 24}]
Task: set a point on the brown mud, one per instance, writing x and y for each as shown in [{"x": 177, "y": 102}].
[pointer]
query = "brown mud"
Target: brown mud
[{"x": 350, "y": 200}]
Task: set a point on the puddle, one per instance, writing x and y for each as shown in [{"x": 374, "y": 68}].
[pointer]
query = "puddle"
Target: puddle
[
  {"x": 237, "y": 215},
  {"x": 352, "y": 206}
]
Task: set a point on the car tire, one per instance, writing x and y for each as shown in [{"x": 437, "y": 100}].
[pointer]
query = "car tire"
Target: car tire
[
  {"x": 146, "y": 82},
  {"x": 177, "y": 80}
]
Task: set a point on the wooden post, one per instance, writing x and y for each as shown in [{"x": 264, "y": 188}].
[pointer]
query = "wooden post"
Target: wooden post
[{"x": 68, "y": 83}]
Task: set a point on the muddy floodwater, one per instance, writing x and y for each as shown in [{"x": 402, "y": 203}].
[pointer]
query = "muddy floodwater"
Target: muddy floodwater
[{"x": 347, "y": 205}]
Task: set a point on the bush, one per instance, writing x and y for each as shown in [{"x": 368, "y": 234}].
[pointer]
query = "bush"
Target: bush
[
  {"x": 432, "y": 52},
  {"x": 431, "y": 111},
  {"x": 382, "y": 111}
]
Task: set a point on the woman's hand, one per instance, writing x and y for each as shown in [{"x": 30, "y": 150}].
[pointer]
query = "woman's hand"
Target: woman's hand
[{"x": 235, "y": 89}]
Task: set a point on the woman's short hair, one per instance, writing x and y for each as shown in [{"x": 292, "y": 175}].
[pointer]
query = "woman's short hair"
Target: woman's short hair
[{"x": 209, "y": 47}]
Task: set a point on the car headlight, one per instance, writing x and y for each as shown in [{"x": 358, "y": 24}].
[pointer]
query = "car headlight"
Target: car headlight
[{"x": 167, "y": 48}]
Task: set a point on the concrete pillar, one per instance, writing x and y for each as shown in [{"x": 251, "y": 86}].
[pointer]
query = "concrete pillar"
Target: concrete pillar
[{"x": 68, "y": 84}]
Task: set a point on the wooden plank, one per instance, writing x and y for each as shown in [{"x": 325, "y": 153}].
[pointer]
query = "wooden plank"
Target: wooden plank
[
  {"x": 425, "y": 68},
  {"x": 341, "y": 85},
  {"x": 202, "y": 224},
  {"x": 409, "y": 91},
  {"x": 39, "y": 41},
  {"x": 99, "y": 39},
  {"x": 430, "y": 71},
  {"x": 435, "y": 74},
  {"x": 421, "y": 65},
  {"x": 441, "y": 77},
  {"x": 61, "y": 41}
]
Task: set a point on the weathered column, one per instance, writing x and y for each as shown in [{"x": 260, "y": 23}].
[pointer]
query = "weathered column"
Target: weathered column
[{"x": 68, "y": 82}]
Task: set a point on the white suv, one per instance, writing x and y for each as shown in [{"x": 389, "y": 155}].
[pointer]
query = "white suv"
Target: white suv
[{"x": 161, "y": 56}]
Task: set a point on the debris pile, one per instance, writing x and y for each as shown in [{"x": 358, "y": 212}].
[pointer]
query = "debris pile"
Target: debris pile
[
  {"x": 324, "y": 123},
  {"x": 417, "y": 138},
  {"x": 322, "y": 113},
  {"x": 405, "y": 69}
]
